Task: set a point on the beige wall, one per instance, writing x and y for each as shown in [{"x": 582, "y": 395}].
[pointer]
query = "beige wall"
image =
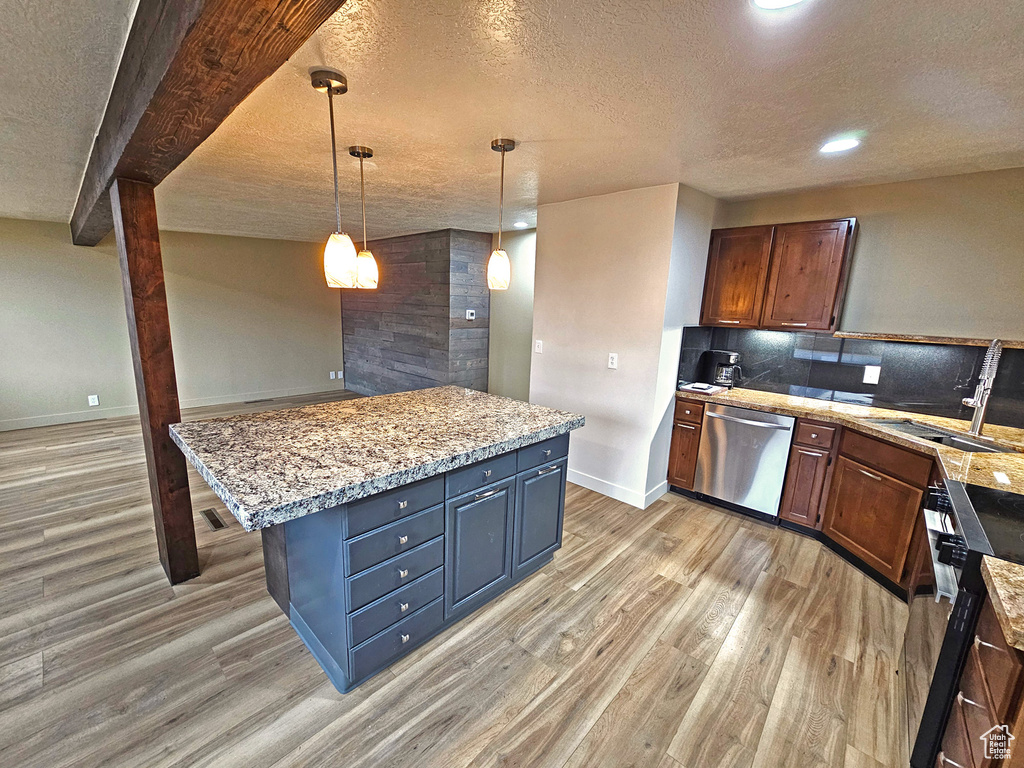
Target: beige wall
[
  {"x": 511, "y": 323},
  {"x": 604, "y": 267},
  {"x": 249, "y": 318},
  {"x": 941, "y": 256}
]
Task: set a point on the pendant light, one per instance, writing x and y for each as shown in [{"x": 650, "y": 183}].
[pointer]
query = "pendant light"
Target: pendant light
[
  {"x": 366, "y": 266},
  {"x": 340, "y": 252},
  {"x": 499, "y": 270}
]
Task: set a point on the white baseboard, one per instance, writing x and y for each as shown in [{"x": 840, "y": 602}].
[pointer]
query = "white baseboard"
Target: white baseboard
[
  {"x": 656, "y": 493},
  {"x": 113, "y": 412},
  {"x": 617, "y": 492}
]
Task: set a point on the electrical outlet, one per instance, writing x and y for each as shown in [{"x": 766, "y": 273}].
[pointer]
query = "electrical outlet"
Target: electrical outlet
[
  {"x": 613, "y": 360},
  {"x": 341, "y": 374},
  {"x": 94, "y": 400},
  {"x": 538, "y": 347},
  {"x": 471, "y": 314},
  {"x": 333, "y": 374},
  {"x": 871, "y": 373}
]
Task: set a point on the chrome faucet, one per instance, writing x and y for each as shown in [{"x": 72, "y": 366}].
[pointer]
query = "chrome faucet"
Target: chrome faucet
[{"x": 988, "y": 376}]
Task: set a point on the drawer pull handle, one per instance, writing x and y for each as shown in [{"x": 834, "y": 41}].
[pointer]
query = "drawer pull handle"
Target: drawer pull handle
[
  {"x": 964, "y": 700},
  {"x": 403, "y": 539},
  {"x": 403, "y": 572},
  {"x": 730, "y": 322},
  {"x": 405, "y": 639},
  {"x": 488, "y": 472},
  {"x": 946, "y": 761},
  {"x": 685, "y": 426},
  {"x": 795, "y": 325},
  {"x": 810, "y": 453},
  {"x": 403, "y": 504},
  {"x": 547, "y": 453},
  {"x": 979, "y": 643},
  {"x": 485, "y": 495},
  {"x": 547, "y": 471},
  {"x": 873, "y": 476},
  {"x": 403, "y": 607}
]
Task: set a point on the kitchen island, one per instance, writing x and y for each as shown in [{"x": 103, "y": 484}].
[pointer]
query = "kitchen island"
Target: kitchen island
[{"x": 386, "y": 519}]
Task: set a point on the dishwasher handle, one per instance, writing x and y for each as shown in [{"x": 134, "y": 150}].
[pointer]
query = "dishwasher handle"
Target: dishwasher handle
[{"x": 748, "y": 422}]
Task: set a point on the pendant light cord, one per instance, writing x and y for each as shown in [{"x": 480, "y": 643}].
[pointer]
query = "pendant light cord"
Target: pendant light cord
[
  {"x": 362, "y": 196},
  {"x": 501, "y": 195},
  {"x": 334, "y": 157}
]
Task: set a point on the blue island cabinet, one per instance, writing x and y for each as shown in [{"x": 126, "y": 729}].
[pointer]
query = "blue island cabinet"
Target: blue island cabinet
[{"x": 370, "y": 580}]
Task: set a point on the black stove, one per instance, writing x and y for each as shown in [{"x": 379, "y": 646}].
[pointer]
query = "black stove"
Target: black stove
[{"x": 991, "y": 520}]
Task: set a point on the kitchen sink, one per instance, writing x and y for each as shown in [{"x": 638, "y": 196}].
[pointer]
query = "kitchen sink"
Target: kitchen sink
[{"x": 941, "y": 436}]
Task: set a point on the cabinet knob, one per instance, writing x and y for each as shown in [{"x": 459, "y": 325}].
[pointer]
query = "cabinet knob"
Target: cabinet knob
[
  {"x": 814, "y": 435},
  {"x": 403, "y": 607},
  {"x": 547, "y": 453},
  {"x": 405, "y": 638},
  {"x": 487, "y": 472},
  {"x": 403, "y": 504},
  {"x": 403, "y": 539},
  {"x": 403, "y": 572},
  {"x": 687, "y": 412}
]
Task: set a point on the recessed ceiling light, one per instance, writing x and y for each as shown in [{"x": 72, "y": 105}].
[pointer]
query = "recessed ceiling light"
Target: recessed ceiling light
[
  {"x": 774, "y": 5},
  {"x": 520, "y": 225},
  {"x": 840, "y": 145}
]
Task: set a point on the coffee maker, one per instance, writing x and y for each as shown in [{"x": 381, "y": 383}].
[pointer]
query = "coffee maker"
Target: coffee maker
[{"x": 719, "y": 367}]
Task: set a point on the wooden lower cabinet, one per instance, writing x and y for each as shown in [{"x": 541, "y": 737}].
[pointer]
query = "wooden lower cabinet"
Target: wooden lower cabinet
[
  {"x": 872, "y": 515},
  {"x": 682, "y": 462},
  {"x": 807, "y": 477}
]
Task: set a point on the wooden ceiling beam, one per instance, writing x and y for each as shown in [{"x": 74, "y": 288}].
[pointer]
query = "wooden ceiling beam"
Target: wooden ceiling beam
[{"x": 186, "y": 65}]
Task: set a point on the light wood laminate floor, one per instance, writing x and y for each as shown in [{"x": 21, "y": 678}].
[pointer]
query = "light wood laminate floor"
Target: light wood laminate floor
[{"x": 680, "y": 635}]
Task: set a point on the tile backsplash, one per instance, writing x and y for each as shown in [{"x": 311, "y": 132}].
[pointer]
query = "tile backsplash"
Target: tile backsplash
[{"x": 922, "y": 378}]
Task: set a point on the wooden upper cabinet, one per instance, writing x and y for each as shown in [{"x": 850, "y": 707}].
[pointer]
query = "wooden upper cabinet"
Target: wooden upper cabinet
[
  {"x": 736, "y": 276},
  {"x": 808, "y": 268},
  {"x": 786, "y": 276}
]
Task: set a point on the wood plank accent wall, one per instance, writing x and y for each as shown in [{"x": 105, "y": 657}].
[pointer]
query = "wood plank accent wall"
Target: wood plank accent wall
[{"x": 412, "y": 332}]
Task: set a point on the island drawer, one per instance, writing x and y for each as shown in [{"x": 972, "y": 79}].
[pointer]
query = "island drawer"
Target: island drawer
[
  {"x": 378, "y": 651},
  {"x": 381, "y": 614},
  {"x": 547, "y": 450},
  {"x": 482, "y": 473},
  {"x": 408, "y": 533},
  {"x": 394, "y": 573},
  {"x": 383, "y": 508}
]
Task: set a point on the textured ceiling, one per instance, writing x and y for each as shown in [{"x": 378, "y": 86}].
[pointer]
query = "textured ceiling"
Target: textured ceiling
[
  {"x": 57, "y": 63},
  {"x": 603, "y": 96}
]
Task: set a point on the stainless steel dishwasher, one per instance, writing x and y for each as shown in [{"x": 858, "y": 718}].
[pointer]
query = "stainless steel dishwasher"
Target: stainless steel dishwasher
[{"x": 742, "y": 457}]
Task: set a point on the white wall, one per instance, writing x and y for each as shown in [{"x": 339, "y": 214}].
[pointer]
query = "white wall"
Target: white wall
[
  {"x": 511, "y": 323},
  {"x": 250, "y": 318},
  {"x": 939, "y": 257},
  {"x": 602, "y": 285}
]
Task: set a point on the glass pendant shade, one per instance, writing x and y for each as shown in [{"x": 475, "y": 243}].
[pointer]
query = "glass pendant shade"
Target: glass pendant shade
[
  {"x": 366, "y": 270},
  {"x": 341, "y": 262},
  {"x": 499, "y": 271}
]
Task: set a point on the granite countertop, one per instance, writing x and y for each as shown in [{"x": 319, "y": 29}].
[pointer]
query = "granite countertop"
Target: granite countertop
[
  {"x": 278, "y": 465},
  {"x": 1005, "y": 580}
]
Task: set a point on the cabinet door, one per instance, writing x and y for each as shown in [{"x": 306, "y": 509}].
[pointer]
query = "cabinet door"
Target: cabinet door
[
  {"x": 872, "y": 515},
  {"x": 682, "y": 461},
  {"x": 478, "y": 562},
  {"x": 805, "y": 486},
  {"x": 736, "y": 276},
  {"x": 807, "y": 271},
  {"x": 540, "y": 505}
]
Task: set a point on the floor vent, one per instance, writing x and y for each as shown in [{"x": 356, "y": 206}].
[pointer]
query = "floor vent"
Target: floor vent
[{"x": 213, "y": 521}]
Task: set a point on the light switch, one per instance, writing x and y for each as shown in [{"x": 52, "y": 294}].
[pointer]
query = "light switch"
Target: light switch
[
  {"x": 471, "y": 314},
  {"x": 613, "y": 360},
  {"x": 538, "y": 346},
  {"x": 871, "y": 373},
  {"x": 333, "y": 374}
]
